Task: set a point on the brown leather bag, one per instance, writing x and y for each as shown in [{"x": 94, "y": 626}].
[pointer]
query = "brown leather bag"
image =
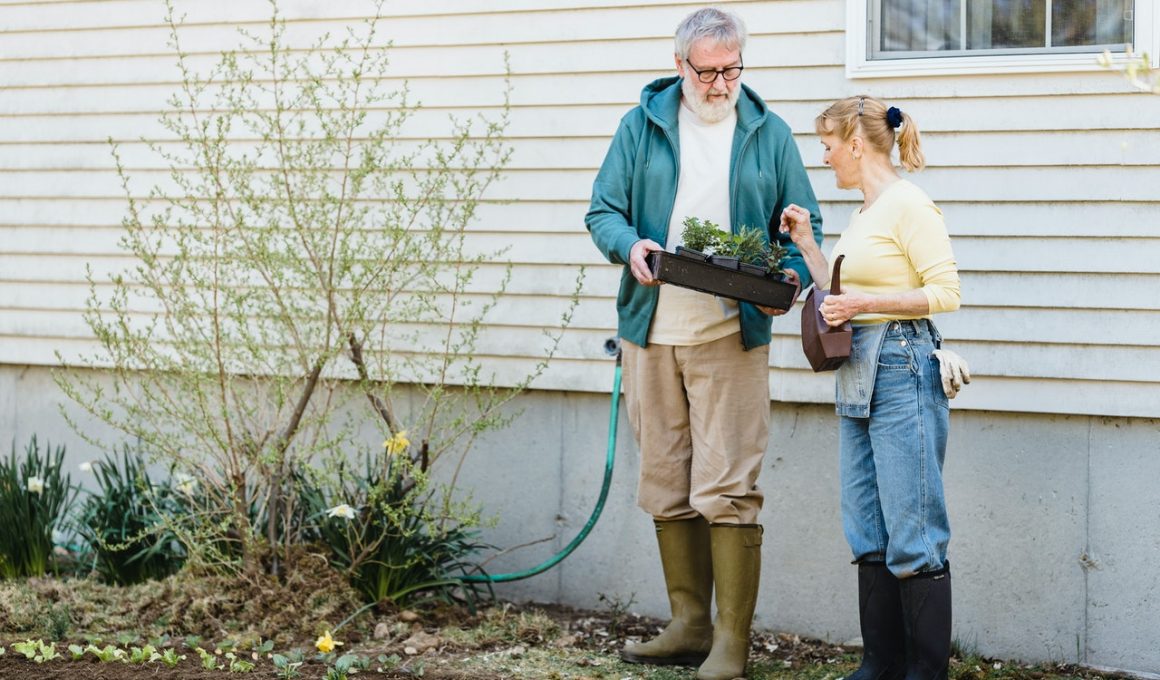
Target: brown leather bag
[{"x": 826, "y": 348}]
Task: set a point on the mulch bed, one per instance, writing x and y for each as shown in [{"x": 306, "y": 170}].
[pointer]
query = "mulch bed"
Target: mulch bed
[{"x": 19, "y": 668}]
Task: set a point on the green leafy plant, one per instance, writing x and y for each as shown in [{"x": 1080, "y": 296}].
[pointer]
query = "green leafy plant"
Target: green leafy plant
[
  {"x": 304, "y": 245},
  {"x": 56, "y": 621},
  {"x": 748, "y": 245},
  {"x": 209, "y": 661},
  {"x": 285, "y": 668},
  {"x": 127, "y": 522},
  {"x": 106, "y": 654},
  {"x": 702, "y": 236},
  {"x": 34, "y": 494},
  {"x": 36, "y": 650},
  {"x": 238, "y": 665},
  {"x": 171, "y": 658},
  {"x": 143, "y": 655},
  {"x": 76, "y": 652},
  {"x": 392, "y": 536}
]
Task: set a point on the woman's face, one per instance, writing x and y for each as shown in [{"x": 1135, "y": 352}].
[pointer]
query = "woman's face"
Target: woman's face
[{"x": 839, "y": 155}]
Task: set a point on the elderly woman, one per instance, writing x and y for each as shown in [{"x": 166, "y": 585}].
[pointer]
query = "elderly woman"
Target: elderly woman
[{"x": 899, "y": 269}]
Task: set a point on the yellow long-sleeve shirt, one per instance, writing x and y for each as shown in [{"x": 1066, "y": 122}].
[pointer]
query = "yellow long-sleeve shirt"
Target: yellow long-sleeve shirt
[{"x": 898, "y": 244}]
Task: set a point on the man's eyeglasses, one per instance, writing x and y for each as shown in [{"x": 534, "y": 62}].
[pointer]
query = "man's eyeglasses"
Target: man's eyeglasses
[{"x": 709, "y": 75}]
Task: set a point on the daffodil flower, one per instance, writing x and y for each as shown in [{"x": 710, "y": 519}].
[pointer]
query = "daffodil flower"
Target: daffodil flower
[
  {"x": 398, "y": 443},
  {"x": 343, "y": 510},
  {"x": 326, "y": 644},
  {"x": 186, "y": 484},
  {"x": 35, "y": 485}
]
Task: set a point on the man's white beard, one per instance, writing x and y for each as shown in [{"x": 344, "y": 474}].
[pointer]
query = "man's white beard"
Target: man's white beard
[{"x": 709, "y": 112}]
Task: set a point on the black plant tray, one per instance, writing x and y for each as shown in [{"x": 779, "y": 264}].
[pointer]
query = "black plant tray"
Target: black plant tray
[{"x": 723, "y": 276}]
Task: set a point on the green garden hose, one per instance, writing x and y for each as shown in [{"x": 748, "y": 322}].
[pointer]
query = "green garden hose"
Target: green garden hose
[{"x": 612, "y": 348}]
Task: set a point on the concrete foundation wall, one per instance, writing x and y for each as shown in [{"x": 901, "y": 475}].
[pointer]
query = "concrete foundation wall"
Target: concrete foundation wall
[{"x": 1055, "y": 521}]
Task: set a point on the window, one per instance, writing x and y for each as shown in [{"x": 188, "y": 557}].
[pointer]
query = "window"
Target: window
[{"x": 910, "y": 37}]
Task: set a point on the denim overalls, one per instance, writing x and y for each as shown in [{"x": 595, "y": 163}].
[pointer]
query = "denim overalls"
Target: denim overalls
[{"x": 893, "y": 434}]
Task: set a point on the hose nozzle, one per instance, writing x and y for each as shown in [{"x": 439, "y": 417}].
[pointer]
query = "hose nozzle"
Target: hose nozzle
[{"x": 612, "y": 346}]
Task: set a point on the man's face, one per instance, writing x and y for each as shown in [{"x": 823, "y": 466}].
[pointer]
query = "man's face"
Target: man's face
[{"x": 711, "y": 101}]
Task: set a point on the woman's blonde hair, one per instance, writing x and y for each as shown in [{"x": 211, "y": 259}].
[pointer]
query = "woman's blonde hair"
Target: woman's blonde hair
[{"x": 880, "y": 127}]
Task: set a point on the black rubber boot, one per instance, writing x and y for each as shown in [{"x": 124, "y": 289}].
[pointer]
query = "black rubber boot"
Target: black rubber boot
[
  {"x": 926, "y": 615},
  {"x": 880, "y": 618},
  {"x": 687, "y": 561}
]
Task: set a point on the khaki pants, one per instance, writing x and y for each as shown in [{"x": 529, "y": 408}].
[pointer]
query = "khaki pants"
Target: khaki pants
[{"x": 701, "y": 417}]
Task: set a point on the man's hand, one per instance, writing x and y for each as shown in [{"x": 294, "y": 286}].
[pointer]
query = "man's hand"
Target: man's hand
[
  {"x": 954, "y": 371},
  {"x": 637, "y": 264},
  {"x": 794, "y": 279}
]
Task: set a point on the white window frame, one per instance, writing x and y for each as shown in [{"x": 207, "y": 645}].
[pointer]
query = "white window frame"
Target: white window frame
[{"x": 859, "y": 64}]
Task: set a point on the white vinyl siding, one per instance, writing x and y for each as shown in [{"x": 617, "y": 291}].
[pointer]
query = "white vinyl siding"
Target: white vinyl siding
[{"x": 1047, "y": 180}]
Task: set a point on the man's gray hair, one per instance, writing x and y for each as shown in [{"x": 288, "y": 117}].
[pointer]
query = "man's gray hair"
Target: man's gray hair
[{"x": 720, "y": 26}]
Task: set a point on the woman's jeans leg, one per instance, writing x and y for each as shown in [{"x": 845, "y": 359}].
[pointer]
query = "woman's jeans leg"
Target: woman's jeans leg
[{"x": 893, "y": 506}]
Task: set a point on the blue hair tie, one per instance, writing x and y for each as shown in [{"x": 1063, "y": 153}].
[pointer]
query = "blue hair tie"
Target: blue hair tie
[{"x": 894, "y": 117}]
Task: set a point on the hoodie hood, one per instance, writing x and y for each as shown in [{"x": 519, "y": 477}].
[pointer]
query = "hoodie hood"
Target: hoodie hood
[{"x": 661, "y": 98}]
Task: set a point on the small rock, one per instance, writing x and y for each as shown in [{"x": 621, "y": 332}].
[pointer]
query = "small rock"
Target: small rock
[
  {"x": 410, "y": 651},
  {"x": 565, "y": 641},
  {"x": 408, "y": 616},
  {"x": 420, "y": 641},
  {"x": 382, "y": 630}
]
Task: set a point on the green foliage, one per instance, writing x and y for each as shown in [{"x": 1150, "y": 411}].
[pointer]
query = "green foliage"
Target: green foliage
[
  {"x": 238, "y": 665},
  {"x": 702, "y": 236},
  {"x": 400, "y": 536},
  {"x": 34, "y": 494},
  {"x": 285, "y": 668},
  {"x": 748, "y": 245},
  {"x": 36, "y": 650},
  {"x": 171, "y": 658},
  {"x": 127, "y": 522},
  {"x": 208, "y": 660},
  {"x": 56, "y": 621},
  {"x": 304, "y": 243},
  {"x": 106, "y": 654}
]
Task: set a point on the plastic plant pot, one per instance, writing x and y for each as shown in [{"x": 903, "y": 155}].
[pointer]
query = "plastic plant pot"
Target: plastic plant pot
[{"x": 723, "y": 276}]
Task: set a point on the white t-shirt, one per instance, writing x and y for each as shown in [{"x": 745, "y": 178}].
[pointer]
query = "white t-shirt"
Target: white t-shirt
[{"x": 683, "y": 316}]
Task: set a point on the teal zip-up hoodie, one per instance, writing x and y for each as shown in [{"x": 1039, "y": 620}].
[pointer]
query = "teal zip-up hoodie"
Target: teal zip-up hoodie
[{"x": 633, "y": 195}]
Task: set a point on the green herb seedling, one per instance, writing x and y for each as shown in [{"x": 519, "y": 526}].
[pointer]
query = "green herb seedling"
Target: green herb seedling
[
  {"x": 28, "y": 648},
  {"x": 171, "y": 658},
  {"x": 239, "y": 665},
  {"x": 106, "y": 654},
  {"x": 285, "y": 668},
  {"x": 208, "y": 660}
]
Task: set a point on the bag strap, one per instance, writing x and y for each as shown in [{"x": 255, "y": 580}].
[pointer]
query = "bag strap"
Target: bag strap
[{"x": 836, "y": 278}]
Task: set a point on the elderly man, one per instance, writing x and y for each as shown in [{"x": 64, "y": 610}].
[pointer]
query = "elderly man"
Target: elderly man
[{"x": 696, "y": 368}]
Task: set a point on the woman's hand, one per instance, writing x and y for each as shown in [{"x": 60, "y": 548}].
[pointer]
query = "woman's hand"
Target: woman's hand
[
  {"x": 795, "y": 221},
  {"x": 838, "y": 309}
]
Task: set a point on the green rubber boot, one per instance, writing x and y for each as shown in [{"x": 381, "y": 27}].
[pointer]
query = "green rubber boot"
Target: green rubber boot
[
  {"x": 688, "y": 567},
  {"x": 736, "y": 572}
]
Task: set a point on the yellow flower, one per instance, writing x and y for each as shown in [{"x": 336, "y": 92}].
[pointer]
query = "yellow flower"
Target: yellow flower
[
  {"x": 326, "y": 644},
  {"x": 397, "y": 443}
]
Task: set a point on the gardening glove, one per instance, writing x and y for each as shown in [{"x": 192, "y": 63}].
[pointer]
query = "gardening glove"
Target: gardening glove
[{"x": 954, "y": 371}]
